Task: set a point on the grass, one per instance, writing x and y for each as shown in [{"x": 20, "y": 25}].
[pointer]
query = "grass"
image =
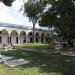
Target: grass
[
  {"x": 37, "y": 45},
  {"x": 40, "y": 64}
]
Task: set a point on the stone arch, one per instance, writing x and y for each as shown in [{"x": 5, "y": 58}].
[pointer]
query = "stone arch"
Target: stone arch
[
  {"x": 37, "y": 37},
  {"x": 22, "y": 37},
  {"x": 14, "y": 33},
  {"x": 30, "y": 35},
  {"x": 4, "y": 37},
  {"x": 14, "y": 37},
  {"x": 22, "y": 33},
  {"x": 4, "y": 32}
]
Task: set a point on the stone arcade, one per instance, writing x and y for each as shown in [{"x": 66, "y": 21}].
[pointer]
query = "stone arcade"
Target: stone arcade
[{"x": 11, "y": 34}]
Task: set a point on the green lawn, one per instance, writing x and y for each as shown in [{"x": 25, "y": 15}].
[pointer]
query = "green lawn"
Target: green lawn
[
  {"x": 37, "y": 45},
  {"x": 40, "y": 64}
]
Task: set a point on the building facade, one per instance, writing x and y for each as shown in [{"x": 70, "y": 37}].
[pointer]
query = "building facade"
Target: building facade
[{"x": 12, "y": 34}]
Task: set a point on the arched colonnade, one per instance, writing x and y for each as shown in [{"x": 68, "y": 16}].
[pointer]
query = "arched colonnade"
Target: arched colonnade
[{"x": 14, "y": 37}]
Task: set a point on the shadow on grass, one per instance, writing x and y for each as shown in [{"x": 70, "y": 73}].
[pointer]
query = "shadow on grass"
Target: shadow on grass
[{"x": 46, "y": 63}]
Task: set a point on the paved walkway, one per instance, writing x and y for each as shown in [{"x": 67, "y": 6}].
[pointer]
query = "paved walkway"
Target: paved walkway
[
  {"x": 12, "y": 62},
  {"x": 68, "y": 53},
  {"x": 5, "y": 58}
]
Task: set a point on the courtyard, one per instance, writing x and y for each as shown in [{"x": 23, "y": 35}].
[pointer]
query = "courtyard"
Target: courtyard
[
  {"x": 40, "y": 64},
  {"x": 37, "y": 37}
]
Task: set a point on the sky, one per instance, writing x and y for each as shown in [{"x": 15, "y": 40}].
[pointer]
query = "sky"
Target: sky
[{"x": 12, "y": 14}]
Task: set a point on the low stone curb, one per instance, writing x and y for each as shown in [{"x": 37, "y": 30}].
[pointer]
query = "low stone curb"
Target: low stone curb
[
  {"x": 51, "y": 51},
  {"x": 35, "y": 50}
]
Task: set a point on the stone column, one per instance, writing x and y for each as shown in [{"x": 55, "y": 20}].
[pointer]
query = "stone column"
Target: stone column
[
  {"x": 18, "y": 39},
  {"x": 27, "y": 39},
  {"x": 39, "y": 38},
  {"x": 9, "y": 39}
]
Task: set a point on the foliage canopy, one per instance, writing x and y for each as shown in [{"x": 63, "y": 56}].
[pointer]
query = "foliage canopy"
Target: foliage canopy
[
  {"x": 61, "y": 16},
  {"x": 7, "y": 2}
]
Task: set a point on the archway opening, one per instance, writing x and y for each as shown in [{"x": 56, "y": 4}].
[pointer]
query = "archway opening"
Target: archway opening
[
  {"x": 14, "y": 37},
  {"x": 47, "y": 38},
  {"x": 42, "y": 37},
  {"x": 4, "y": 32},
  {"x": 4, "y": 38},
  {"x": 30, "y": 35},
  {"x": 22, "y": 37},
  {"x": 37, "y": 37}
]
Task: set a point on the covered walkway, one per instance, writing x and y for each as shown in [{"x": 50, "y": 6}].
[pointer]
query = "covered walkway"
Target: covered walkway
[{"x": 12, "y": 36}]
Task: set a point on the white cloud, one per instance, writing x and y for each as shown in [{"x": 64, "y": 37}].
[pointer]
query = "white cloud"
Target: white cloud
[
  {"x": 11, "y": 15},
  {"x": 4, "y": 14},
  {"x": 17, "y": 4}
]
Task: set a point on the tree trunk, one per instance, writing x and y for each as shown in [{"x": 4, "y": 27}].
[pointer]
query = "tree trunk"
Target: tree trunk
[{"x": 33, "y": 32}]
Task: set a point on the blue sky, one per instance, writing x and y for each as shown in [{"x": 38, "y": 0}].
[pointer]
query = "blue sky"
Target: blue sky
[{"x": 11, "y": 14}]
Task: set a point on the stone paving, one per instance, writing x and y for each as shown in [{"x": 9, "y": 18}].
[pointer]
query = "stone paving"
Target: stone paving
[
  {"x": 12, "y": 62},
  {"x": 68, "y": 53},
  {"x": 6, "y": 58},
  {"x": 16, "y": 62}
]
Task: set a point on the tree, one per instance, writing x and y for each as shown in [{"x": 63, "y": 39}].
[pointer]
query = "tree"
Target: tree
[
  {"x": 7, "y": 2},
  {"x": 33, "y": 11},
  {"x": 61, "y": 17}
]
